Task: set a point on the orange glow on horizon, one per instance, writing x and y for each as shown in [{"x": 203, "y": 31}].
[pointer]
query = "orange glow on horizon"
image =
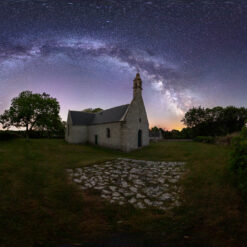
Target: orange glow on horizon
[{"x": 169, "y": 127}]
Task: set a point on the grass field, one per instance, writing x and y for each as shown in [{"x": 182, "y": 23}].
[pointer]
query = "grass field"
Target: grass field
[{"x": 40, "y": 207}]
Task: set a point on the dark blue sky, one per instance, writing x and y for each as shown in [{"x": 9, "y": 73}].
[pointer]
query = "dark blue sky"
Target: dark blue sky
[{"x": 86, "y": 53}]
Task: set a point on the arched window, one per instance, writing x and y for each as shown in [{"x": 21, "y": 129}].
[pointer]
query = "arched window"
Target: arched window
[{"x": 108, "y": 133}]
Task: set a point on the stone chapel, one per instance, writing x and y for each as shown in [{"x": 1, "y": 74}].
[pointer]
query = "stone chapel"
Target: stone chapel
[{"x": 123, "y": 127}]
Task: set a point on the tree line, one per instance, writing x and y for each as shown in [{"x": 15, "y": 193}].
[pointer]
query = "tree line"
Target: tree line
[
  {"x": 38, "y": 114},
  {"x": 217, "y": 121}
]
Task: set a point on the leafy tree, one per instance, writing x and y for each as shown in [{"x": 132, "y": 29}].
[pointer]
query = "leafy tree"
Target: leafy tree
[
  {"x": 91, "y": 110},
  {"x": 194, "y": 117},
  {"x": 156, "y": 132},
  {"x": 215, "y": 121},
  {"x": 155, "y": 129},
  {"x": 32, "y": 111},
  {"x": 186, "y": 133}
]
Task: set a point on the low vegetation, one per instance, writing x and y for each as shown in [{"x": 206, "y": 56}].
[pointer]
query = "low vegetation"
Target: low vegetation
[
  {"x": 41, "y": 207},
  {"x": 205, "y": 139},
  {"x": 239, "y": 160},
  {"x": 8, "y": 135}
]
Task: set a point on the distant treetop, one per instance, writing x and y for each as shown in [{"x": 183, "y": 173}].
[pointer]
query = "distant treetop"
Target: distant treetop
[{"x": 91, "y": 110}]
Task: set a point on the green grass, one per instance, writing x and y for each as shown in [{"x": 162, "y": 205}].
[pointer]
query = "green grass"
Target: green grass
[{"x": 40, "y": 207}]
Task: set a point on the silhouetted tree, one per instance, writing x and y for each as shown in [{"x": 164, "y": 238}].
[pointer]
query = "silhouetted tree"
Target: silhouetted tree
[
  {"x": 91, "y": 110},
  {"x": 32, "y": 111},
  {"x": 215, "y": 121}
]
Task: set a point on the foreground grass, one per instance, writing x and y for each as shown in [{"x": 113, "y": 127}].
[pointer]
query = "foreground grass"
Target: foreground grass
[{"x": 40, "y": 207}]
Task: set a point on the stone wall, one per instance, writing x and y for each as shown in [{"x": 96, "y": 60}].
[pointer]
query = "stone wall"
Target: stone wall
[
  {"x": 75, "y": 133},
  {"x": 114, "y": 141},
  {"x": 136, "y": 119}
]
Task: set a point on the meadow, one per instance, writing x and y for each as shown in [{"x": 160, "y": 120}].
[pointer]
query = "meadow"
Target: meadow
[{"x": 39, "y": 206}]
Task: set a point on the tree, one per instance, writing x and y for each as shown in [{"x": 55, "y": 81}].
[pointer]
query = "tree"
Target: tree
[
  {"x": 155, "y": 129},
  {"x": 215, "y": 121},
  {"x": 194, "y": 117},
  {"x": 91, "y": 110},
  {"x": 156, "y": 132},
  {"x": 32, "y": 111}
]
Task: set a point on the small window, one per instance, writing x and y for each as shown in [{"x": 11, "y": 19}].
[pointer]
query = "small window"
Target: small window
[
  {"x": 108, "y": 133},
  {"x": 140, "y": 120},
  {"x": 96, "y": 139},
  {"x": 68, "y": 129}
]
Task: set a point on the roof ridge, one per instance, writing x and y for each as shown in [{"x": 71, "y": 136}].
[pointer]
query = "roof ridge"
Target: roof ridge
[
  {"x": 111, "y": 108},
  {"x": 83, "y": 112}
]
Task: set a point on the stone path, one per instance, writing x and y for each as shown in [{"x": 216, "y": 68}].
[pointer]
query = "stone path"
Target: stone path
[{"x": 141, "y": 183}]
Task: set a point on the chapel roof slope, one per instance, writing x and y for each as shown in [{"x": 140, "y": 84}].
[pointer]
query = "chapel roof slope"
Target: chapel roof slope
[
  {"x": 111, "y": 115},
  {"x": 81, "y": 118}
]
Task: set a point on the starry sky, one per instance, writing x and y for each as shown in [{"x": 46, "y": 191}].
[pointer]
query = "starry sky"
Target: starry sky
[{"x": 86, "y": 53}]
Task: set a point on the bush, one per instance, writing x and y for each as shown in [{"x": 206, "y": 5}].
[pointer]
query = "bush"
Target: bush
[
  {"x": 45, "y": 134},
  {"x": 205, "y": 139},
  {"x": 8, "y": 135},
  {"x": 227, "y": 139},
  {"x": 239, "y": 159}
]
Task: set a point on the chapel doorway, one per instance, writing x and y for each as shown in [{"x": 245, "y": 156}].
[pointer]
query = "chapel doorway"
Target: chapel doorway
[
  {"x": 96, "y": 139},
  {"x": 139, "y": 138}
]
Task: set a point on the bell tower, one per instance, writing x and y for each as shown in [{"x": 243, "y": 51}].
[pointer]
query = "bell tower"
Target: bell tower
[{"x": 137, "y": 86}]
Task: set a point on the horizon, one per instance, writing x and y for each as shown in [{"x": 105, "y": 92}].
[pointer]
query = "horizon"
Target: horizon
[{"x": 86, "y": 54}]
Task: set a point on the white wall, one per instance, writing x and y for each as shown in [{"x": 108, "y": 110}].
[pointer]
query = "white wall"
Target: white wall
[
  {"x": 100, "y": 129},
  {"x": 75, "y": 134},
  {"x": 132, "y": 125}
]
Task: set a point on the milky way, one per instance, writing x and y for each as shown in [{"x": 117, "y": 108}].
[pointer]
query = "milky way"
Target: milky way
[{"x": 86, "y": 53}]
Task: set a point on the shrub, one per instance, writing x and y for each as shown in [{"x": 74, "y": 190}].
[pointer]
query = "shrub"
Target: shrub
[
  {"x": 8, "y": 135},
  {"x": 46, "y": 134},
  {"x": 227, "y": 139},
  {"x": 239, "y": 159},
  {"x": 205, "y": 139}
]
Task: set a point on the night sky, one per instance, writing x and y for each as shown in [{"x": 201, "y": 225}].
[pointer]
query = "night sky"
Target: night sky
[{"x": 86, "y": 53}]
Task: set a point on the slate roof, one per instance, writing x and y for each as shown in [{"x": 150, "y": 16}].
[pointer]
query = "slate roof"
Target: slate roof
[
  {"x": 81, "y": 118},
  {"x": 111, "y": 115}
]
